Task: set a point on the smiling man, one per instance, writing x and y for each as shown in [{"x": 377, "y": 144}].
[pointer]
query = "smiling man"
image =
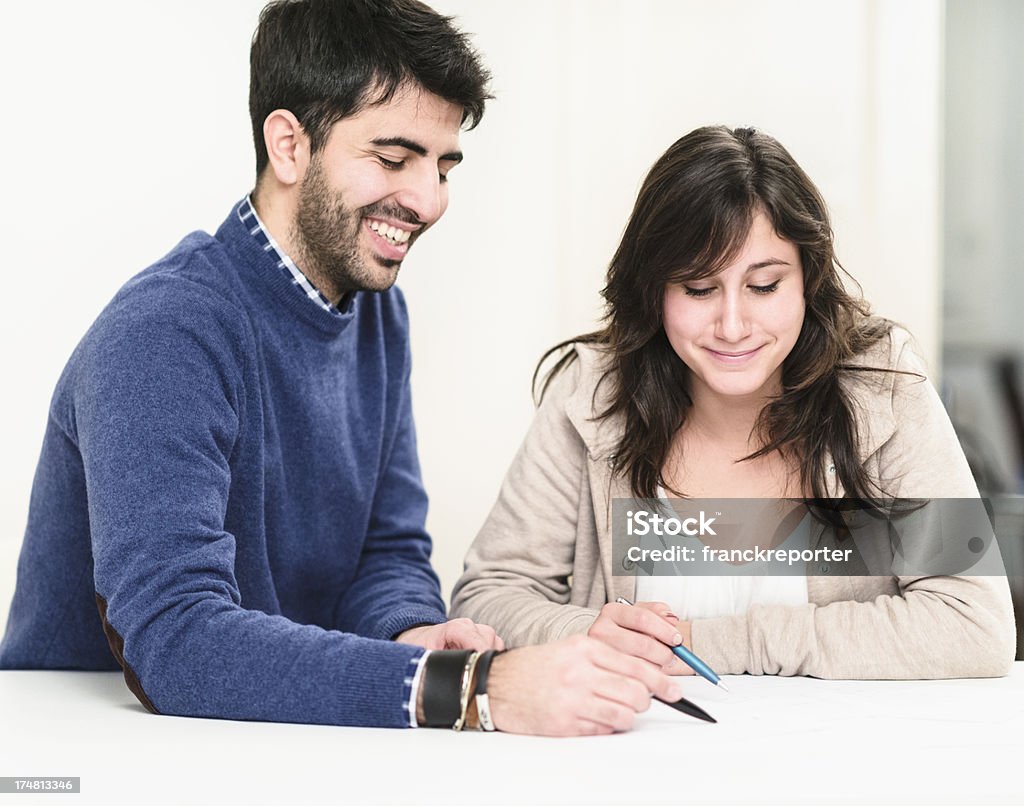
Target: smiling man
[
  {"x": 353, "y": 209},
  {"x": 228, "y": 505}
]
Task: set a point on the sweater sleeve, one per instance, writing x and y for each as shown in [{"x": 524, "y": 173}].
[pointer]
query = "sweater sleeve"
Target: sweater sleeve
[
  {"x": 935, "y": 627},
  {"x": 155, "y": 414},
  {"x": 395, "y": 587}
]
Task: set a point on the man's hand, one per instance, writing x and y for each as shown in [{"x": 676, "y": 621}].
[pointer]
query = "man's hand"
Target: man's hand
[
  {"x": 645, "y": 630},
  {"x": 577, "y": 686},
  {"x": 459, "y": 633}
]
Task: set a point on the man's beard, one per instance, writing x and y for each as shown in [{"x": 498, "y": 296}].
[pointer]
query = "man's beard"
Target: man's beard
[{"x": 325, "y": 235}]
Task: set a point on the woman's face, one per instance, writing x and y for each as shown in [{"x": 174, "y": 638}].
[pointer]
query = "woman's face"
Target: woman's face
[{"x": 734, "y": 330}]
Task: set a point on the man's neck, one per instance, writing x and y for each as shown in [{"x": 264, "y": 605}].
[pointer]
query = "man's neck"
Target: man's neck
[{"x": 277, "y": 214}]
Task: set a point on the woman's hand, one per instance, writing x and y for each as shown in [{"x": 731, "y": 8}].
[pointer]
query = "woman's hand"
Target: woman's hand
[
  {"x": 645, "y": 630},
  {"x": 459, "y": 633}
]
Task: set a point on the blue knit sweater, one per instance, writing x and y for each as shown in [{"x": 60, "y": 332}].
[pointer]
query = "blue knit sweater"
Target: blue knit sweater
[{"x": 229, "y": 474}]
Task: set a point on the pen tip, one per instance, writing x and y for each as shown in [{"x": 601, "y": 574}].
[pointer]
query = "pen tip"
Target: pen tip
[{"x": 724, "y": 687}]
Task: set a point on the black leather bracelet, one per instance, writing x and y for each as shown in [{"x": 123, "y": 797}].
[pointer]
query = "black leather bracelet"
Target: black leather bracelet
[
  {"x": 442, "y": 686},
  {"x": 483, "y": 668},
  {"x": 483, "y": 705}
]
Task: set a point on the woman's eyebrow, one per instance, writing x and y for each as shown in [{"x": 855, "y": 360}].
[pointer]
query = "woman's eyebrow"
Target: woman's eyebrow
[{"x": 772, "y": 261}]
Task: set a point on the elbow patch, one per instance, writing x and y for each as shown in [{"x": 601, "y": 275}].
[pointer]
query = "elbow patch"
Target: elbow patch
[{"x": 116, "y": 643}]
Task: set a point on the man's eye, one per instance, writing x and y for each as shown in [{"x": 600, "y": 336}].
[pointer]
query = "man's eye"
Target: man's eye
[
  {"x": 697, "y": 292},
  {"x": 391, "y": 165}
]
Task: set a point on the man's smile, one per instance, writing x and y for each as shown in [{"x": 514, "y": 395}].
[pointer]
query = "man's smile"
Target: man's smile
[{"x": 391, "y": 240}]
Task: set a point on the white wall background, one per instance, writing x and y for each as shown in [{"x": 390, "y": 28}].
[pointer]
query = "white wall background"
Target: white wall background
[
  {"x": 126, "y": 127},
  {"x": 983, "y": 239},
  {"x": 984, "y": 181}
]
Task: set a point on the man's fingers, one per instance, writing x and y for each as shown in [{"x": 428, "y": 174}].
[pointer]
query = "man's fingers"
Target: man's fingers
[
  {"x": 626, "y": 691},
  {"x": 660, "y": 684},
  {"x": 656, "y": 682},
  {"x": 610, "y": 713},
  {"x": 587, "y": 727}
]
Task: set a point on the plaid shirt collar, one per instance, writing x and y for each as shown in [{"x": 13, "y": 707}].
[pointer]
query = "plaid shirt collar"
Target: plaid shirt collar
[{"x": 247, "y": 214}]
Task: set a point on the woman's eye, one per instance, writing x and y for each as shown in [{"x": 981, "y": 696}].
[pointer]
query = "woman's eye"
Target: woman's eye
[
  {"x": 697, "y": 292},
  {"x": 765, "y": 289}
]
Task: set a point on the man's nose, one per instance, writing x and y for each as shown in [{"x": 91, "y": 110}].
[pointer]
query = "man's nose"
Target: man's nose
[{"x": 424, "y": 194}]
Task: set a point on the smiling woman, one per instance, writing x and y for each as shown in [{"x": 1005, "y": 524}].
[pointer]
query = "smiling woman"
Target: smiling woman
[
  {"x": 734, "y": 330},
  {"x": 734, "y": 364}
]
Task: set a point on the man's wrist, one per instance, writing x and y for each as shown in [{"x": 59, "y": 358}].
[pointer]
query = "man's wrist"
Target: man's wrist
[
  {"x": 472, "y": 715},
  {"x": 451, "y": 689},
  {"x": 421, "y": 719},
  {"x": 416, "y": 691},
  {"x": 441, "y": 690}
]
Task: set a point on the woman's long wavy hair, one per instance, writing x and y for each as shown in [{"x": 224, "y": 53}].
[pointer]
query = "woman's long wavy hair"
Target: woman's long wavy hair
[{"x": 691, "y": 218}]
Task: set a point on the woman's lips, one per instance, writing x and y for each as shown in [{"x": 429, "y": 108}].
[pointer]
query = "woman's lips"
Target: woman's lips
[{"x": 733, "y": 357}]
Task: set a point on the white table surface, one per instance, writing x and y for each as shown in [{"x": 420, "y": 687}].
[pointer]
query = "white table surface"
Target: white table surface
[{"x": 781, "y": 740}]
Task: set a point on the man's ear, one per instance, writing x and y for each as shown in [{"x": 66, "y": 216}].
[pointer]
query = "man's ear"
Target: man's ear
[{"x": 287, "y": 146}]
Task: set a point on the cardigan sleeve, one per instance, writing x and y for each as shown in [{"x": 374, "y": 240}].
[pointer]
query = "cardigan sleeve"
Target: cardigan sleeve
[
  {"x": 518, "y": 569},
  {"x": 934, "y": 627}
]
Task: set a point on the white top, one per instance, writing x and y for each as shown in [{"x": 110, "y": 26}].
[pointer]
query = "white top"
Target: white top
[{"x": 729, "y": 594}]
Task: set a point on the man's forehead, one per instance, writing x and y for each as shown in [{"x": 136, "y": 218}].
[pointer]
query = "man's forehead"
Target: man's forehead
[{"x": 414, "y": 115}]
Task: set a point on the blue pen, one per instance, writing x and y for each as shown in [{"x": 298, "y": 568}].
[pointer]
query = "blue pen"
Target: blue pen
[{"x": 691, "y": 660}]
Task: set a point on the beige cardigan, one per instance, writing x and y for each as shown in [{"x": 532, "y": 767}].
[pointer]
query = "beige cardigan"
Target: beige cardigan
[{"x": 541, "y": 566}]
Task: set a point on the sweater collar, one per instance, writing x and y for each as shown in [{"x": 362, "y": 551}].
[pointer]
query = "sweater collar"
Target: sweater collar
[
  {"x": 245, "y": 235},
  {"x": 258, "y": 230}
]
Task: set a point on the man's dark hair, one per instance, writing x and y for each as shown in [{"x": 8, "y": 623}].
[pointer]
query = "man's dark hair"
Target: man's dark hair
[{"x": 324, "y": 60}]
